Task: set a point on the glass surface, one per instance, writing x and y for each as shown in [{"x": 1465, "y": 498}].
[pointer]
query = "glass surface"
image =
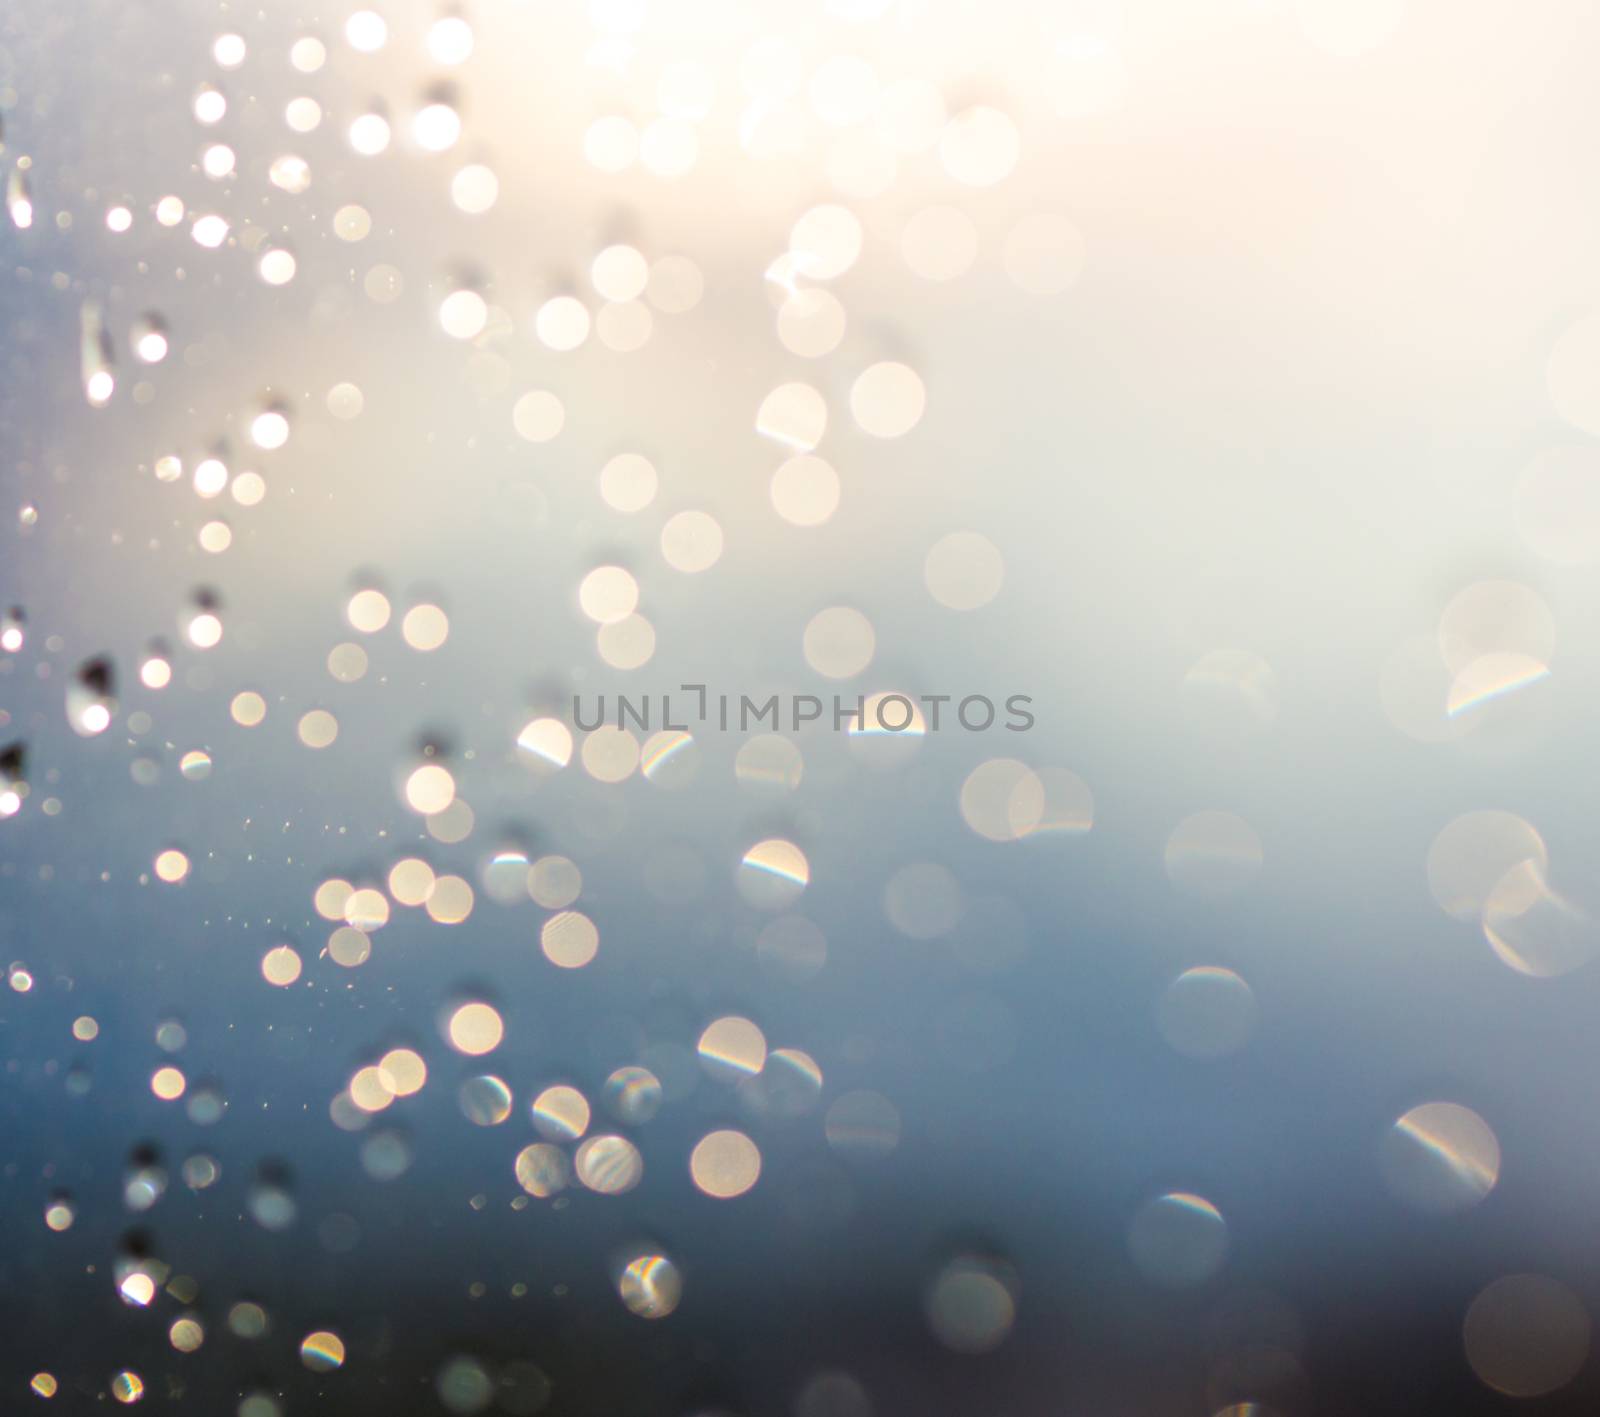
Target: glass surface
[{"x": 873, "y": 708}]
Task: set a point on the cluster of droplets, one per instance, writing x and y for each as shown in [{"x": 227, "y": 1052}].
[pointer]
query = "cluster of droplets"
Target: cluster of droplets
[{"x": 1485, "y": 665}]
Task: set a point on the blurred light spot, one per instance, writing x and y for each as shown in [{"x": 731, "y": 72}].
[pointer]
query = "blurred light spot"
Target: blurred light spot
[
  {"x": 826, "y": 241},
  {"x": 560, "y": 1113},
  {"x": 554, "y": 882},
  {"x": 436, "y": 127},
  {"x": 773, "y": 873},
  {"x": 347, "y": 662},
  {"x": 209, "y": 231},
  {"x": 463, "y": 314},
  {"x": 1496, "y": 617},
  {"x": 425, "y": 628},
  {"x": 330, "y": 897},
  {"x": 403, "y": 1072},
  {"x": 1178, "y": 1240},
  {"x": 608, "y": 594},
  {"x": 887, "y": 399},
  {"x": 1491, "y": 677},
  {"x": 1003, "y": 800},
  {"x": 276, "y": 266},
  {"x": 839, "y": 642},
  {"x": 691, "y": 542},
  {"x": 620, "y": 273},
  {"x": 1213, "y": 854},
  {"x": 411, "y": 881},
  {"x": 979, "y": 146},
  {"x": 1526, "y": 1335},
  {"x": 794, "y": 415},
  {"x": 608, "y": 1164},
  {"x": 788, "y": 1085},
  {"x": 971, "y": 1304},
  {"x": 349, "y": 948},
  {"x": 291, "y": 173},
  {"x": 805, "y": 491},
  {"x": 308, "y": 54},
  {"x": 562, "y": 323},
  {"x": 369, "y": 134},
  {"x": 769, "y": 761},
  {"x": 322, "y": 1351},
  {"x": 367, "y": 909},
  {"x": 475, "y": 1029},
  {"x": 811, "y": 323},
  {"x": 210, "y": 477},
  {"x": 633, "y": 1094},
  {"x": 547, "y": 741},
  {"x": 610, "y": 754},
  {"x": 209, "y": 105},
  {"x": 1474, "y": 853},
  {"x": 1533, "y": 928},
  {"x": 269, "y": 429},
  {"x": 450, "y": 900},
  {"x": 474, "y": 189},
  {"x": 1440, "y": 1158},
  {"x": 280, "y": 965},
  {"x": 1207, "y": 1012},
  {"x": 569, "y": 939},
  {"x": 171, "y": 865},
  {"x": 542, "y": 1169},
  {"x": 168, "y": 1084},
  {"x": 370, "y": 1090},
  {"x": 669, "y": 759},
  {"x": 352, "y": 223},
  {"x": 366, "y": 30},
  {"x": 450, "y": 40},
  {"x": 302, "y": 114},
  {"x": 485, "y": 1101},
  {"x": 650, "y": 1286},
  {"x": 731, "y": 1048},
  {"x": 538, "y": 416},
  {"x": 186, "y": 1335},
  {"x": 368, "y": 611},
  {"x": 628, "y": 482},
  {"x": 725, "y": 1164},
  {"x": 247, "y": 1320},
  {"x": 318, "y": 728}
]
